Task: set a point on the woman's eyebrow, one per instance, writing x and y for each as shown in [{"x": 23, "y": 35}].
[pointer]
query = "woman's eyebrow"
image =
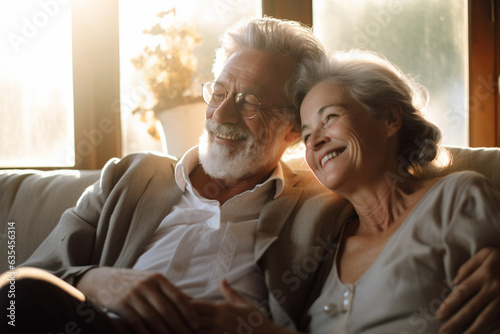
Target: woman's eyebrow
[{"x": 321, "y": 110}]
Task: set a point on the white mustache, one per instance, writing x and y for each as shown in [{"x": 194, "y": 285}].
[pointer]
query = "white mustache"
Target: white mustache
[{"x": 228, "y": 130}]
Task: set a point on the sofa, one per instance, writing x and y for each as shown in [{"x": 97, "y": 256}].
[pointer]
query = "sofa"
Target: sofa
[{"x": 32, "y": 201}]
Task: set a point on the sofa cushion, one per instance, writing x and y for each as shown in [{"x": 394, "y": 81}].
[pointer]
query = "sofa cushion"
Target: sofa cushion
[{"x": 34, "y": 201}]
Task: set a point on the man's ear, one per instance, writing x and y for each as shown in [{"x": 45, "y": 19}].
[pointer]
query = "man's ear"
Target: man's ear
[
  {"x": 292, "y": 136},
  {"x": 394, "y": 118}
]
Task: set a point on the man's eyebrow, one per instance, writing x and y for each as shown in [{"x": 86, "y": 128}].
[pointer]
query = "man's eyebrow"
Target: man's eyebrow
[
  {"x": 257, "y": 91},
  {"x": 252, "y": 90},
  {"x": 246, "y": 90}
]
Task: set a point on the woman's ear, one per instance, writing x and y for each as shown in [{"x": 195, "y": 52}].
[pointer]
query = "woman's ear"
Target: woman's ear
[{"x": 394, "y": 118}]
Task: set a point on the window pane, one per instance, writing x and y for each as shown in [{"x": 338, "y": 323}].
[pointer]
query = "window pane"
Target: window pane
[
  {"x": 36, "y": 90},
  {"x": 175, "y": 72},
  {"x": 427, "y": 39}
]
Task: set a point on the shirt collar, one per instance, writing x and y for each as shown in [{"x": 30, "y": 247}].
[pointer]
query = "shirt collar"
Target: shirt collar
[{"x": 190, "y": 160}]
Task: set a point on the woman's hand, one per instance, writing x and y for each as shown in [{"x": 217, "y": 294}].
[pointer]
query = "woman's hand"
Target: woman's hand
[
  {"x": 235, "y": 315},
  {"x": 145, "y": 301},
  {"x": 475, "y": 301}
]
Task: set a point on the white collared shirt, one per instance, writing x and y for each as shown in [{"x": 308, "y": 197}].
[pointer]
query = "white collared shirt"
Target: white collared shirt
[{"x": 200, "y": 242}]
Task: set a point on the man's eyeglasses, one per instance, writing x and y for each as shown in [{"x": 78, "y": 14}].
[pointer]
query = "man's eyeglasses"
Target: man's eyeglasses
[{"x": 247, "y": 104}]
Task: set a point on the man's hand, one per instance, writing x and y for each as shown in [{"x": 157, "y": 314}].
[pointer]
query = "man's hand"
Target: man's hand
[
  {"x": 235, "y": 315},
  {"x": 146, "y": 301},
  {"x": 475, "y": 302}
]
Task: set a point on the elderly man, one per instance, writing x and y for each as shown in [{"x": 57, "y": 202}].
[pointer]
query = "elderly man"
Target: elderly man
[
  {"x": 155, "y": 233},
  {"x": 177, "y": 228}
]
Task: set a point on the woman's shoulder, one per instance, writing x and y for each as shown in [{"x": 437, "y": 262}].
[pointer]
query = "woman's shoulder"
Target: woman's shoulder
[{"x": 461, "y": 186}]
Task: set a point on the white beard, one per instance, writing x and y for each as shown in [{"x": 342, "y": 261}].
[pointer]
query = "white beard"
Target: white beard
[{"x": 229, "y": 164}]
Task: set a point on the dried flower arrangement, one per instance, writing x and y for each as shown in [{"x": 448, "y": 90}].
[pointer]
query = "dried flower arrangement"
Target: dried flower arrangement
[{"x": 168, "y": 67}]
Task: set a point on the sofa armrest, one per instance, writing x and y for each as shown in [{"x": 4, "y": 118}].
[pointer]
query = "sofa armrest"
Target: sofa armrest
[{"x": 31, "y": 204}]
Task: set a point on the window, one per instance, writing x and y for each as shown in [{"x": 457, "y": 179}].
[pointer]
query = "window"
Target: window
[
  {"x": 157, "y": 111},
  {"x": 36, "y": 91},
  {"x": 427, "y": 39},
  {"x": 68, "y": 90}
]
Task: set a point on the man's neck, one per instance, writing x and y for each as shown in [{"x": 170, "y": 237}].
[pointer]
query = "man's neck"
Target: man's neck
[{"x": 222, "y": 190}]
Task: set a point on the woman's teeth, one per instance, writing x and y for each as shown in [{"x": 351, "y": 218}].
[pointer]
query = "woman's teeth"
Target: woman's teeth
[{"x": 329, "y": 156}]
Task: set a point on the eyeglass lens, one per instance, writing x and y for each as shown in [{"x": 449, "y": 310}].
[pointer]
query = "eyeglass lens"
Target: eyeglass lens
[{"x": 215, "y": 93}]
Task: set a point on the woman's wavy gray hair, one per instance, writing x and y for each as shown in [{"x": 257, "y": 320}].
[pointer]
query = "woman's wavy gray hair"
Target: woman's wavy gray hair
[
  {"x": 282, "y": 37},
  {"x": 378, "y": 85}
]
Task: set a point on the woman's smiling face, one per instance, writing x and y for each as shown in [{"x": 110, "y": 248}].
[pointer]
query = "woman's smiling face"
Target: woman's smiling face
[{"x": 344, "y": 145}]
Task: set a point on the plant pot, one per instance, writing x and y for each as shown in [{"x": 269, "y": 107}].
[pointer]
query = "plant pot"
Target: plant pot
[{"x": 182, "y": 126}]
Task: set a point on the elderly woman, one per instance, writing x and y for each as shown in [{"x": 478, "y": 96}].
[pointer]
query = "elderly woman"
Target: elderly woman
[{"x": 367, "y": 140}]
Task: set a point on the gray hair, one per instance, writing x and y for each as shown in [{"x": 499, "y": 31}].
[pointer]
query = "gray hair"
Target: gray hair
[
  {"x": 282, "y": 37},
  {"x": 378, "y": 85}
]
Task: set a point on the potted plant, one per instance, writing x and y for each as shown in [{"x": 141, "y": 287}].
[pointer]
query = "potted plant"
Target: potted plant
[{"x": 169, "y": 68}]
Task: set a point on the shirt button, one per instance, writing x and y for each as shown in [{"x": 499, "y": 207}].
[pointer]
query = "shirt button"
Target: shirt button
[{"x": 346, "y": 293}]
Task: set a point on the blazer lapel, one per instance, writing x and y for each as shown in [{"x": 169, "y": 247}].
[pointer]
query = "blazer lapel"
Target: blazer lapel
[
  {"x": 161, "y": 194},
  {"x": 275, "y": 213}
]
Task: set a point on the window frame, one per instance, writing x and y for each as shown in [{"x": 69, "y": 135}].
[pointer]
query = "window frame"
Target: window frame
[
  {"x": 96, "y": 82},
  {"x": 484, "y": 72}
]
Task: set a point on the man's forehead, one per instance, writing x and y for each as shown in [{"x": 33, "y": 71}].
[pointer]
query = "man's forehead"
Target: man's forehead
[{"x": 257, "y": 70}]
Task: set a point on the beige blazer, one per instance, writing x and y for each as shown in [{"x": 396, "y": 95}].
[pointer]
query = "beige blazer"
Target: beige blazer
[{"x": 115, "y": 218}]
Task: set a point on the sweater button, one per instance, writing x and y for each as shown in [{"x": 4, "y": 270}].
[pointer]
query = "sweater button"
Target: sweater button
[{"x": 330, "y": 309}]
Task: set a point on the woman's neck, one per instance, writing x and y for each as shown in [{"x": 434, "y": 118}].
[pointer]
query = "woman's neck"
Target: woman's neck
[{"x": 383, "y": 204}]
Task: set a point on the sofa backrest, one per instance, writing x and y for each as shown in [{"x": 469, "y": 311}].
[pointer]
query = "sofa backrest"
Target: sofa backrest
[
  {"x": 485, "y": 161},
  {"x": 31, "y": 203}
]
